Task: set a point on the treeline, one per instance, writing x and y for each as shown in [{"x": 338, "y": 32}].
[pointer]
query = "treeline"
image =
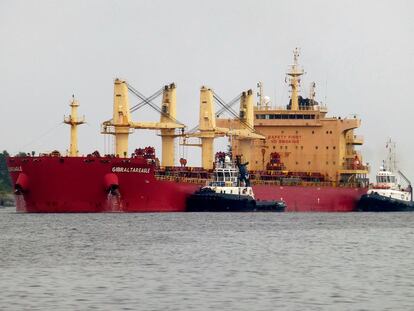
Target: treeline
[{"x": 5, "y": 183}]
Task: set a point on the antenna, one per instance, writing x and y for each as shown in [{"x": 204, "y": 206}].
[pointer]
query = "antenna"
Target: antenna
[
  {"x": 260, "y": 94},
  {"x": 391, "y": 157}
]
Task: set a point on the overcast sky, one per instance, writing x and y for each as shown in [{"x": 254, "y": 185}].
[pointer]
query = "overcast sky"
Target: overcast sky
[{"x": 359, "y": 53}]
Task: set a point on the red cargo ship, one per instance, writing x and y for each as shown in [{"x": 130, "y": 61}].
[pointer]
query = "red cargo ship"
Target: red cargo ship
[
  {"x": 296, "y": 154},
  {"x": 53, "y": 184}
]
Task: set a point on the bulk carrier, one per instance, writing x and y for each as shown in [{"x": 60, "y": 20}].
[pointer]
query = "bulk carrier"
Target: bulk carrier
[{"x": 296, "y": 153}]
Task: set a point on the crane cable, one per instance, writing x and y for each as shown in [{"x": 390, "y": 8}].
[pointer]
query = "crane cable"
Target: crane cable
[
  {"x": 232, "y": 112},
  {"x": 146, "y": 100},
  {"x": 150, "y": 103}
]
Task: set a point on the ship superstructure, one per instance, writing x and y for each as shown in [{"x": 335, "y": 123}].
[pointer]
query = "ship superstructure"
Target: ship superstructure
[{"x": 301, "y": 140}]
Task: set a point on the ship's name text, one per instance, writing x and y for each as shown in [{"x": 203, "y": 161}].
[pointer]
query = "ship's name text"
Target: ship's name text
[
  {"x": 141, "y": 170},
  {"x": 15, "y": 169}
]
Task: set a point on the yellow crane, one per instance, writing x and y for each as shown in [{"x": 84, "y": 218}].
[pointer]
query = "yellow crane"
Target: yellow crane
[
  {"x": 241, "y": 126},
  {"x": 121, "y": 124}
]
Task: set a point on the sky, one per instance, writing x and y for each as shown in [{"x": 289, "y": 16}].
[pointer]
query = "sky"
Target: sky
[{"x": 359, "y": 53}]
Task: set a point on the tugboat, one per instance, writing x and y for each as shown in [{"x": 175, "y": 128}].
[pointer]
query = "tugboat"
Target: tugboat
[
  {"x": 230, "y": 191},
  {"x": 387, "y": 195}
]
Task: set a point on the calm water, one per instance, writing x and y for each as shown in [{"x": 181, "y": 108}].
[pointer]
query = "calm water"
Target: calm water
[{"x": 206, "y": 261}]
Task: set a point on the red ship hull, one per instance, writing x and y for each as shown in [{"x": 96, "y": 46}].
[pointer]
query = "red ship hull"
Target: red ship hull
[{"x": 83, "y": 185}]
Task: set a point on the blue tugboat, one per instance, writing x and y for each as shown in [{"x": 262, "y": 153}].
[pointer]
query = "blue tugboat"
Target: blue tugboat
[{"x": 230, "y": 191}]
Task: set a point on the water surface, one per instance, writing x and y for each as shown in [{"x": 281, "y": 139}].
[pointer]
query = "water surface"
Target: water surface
[{"x": 206, "y": 261}]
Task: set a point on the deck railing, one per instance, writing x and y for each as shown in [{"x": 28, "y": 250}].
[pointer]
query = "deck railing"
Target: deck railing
[{"x": 254, "y": 182}]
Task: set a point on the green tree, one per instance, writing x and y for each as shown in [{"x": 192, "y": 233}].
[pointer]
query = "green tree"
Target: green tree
[{"x": 5, "y": 182}]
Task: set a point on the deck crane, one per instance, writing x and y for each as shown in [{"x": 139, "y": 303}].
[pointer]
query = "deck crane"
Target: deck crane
[
  {"x": 208, "y": 130},
  {"x": 121, "y": 124}
]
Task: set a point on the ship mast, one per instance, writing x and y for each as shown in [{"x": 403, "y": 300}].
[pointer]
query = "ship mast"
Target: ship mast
[
  {"x": 73, "y": 121},
  {"x": 391, "y": 158},
  {"x": 294, "y": 74},
  {"x": 260, "y": 95}
]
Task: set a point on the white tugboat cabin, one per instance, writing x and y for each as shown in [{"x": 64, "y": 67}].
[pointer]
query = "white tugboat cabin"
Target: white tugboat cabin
[
  {"x": 226, "y": 180},
  {"x": 387, "y": 185}
]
